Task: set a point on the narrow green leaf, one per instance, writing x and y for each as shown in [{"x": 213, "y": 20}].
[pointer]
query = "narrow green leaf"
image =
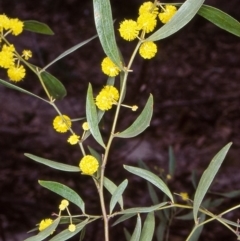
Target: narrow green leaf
[
  {"x": 172, "y": 162},
  {"x": 184, "y": 14},
  {"x": 123, "y": 218},
  {"x": 194, "y": 179},
  {"x": 141, "y": 123},
  {"x": 11, "y": 86},
  {"x": 111, "y": 187},
  {"x": 111, "y": 81},
  {"x": 37, "y": 27},
  {"x": 66, "y": 234},
  {"x": 92, "y": 117},
  {"x": 160, "y": 231},
  {"x": 104, "y": 25},
  {"x": 220, "y": 19},
  {"x": 82, "y": 235},
  {"x": 65, "y": 192},
  {"x": 127, "y": 234},
  {"x": 143, "y": 209},
  {"x": 198, "y": 229},
  {"x": 53, "y": 164},
  {"x": 207, "y": 179},
  {"x": 231, "y": 194},
  {"x": 53, "y": 85},
  {"x": 46, "y": 232},
  {"x": 69, "y": 51},
  {"x": 148, "y": 227},
  {"x": 117, "y": 195},
  {"x": 149, "y": 176},
  {"x": 137, "y": 231},
  {"x": 187, "y": 216}
]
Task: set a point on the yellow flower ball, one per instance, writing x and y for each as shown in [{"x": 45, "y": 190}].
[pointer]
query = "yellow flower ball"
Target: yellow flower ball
[
  {"x": 7, "y": 56},
  {"x": 72, "y": 227},
  {"x": 184, "y": 196},
  {"x": 27, "y": 54},
  {"x": 148, "y": 7},
  {"x": 85, "y": 126},
  {"x": 147, "y": 22},
  {"x": 109, "y": 68},
  {"x": 88, "y": 165},
  {"x": 16, "y": 26},
  {"x": 4, "y": 22},
  {"x": 73, "y": 139},
  {"x": 107, "y": 97},
  {"x": 167, "y": 14},
  {"x": 148, "y": 50},
  {"x": 62, "y": 123},
  {"x": 44, "y": 224},
  {"x": 129, "y": 30},
  {"x": 64, "y": 204},
  {"x": 16, "y": 73}
]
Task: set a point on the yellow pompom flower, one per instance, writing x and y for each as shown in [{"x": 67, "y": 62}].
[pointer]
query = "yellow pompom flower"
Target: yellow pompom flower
[
  {"x": 184, "y": 196},
  {"x": 129, "y": 30},
  {"x": 148, "y": 50},
  {"x": 45, "y": 223},
  {"x": 64, "y": 204},
  {"x": 85, "y": 126},
  {"x": 4, "y": 22},
  {"x": 16, "y": 73},
  {"x": 27, "y": 54},
  {"x": 167, "y": 13},
  {"x": 88, "y": 165},
  {"x": 109, "y": 68},
  {"x": 147, "y": 22},
  {"x": 148, "y": 7},
  {"x": 7, "y": 56},
  {"x": 16, "y": 26},
  {"x": 62, "y": 123},
  {"x": 107, "y": 97},
  {"x": 73, "y": 139},
  {"x": 72, "y": 227}
]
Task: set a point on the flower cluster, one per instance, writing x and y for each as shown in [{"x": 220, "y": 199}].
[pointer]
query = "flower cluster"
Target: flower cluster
[
  {"x": 88, "y": 165},
  {"x": 11, "y": 25},
  {"x": 107, "y": 97},
  {"x": 146, "y": 23},
  {"x": 64, "y": 204},
  {"x": 8, "y": 57}
]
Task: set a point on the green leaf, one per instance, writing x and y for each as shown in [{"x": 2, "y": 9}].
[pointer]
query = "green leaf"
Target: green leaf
[
  {"x": 220, "y": 19},
  {"x": 127, "y": 234},
  {"x": 187, "y": 216},
  {"x": 183, "y": 15},
  {"x": 149, "y": 176},
  {"x": 37, "y": 27},
  {"x": 117, "y": 195},
  {"x": 53, "y": 85},
  {"x": 53, "y": 164},
  {"x": 123, "y": 218},
  {"x": 104, "y": 25},
  {"x": 111, "y": 81},
  {"x": 141, "y": 123},
  {"x": 160, "y": 231},
  {"x": 143, "y": 209},
  {"x": 231, "y": 194},
  {"x": 111, "y": 187},
  {"x": 207, "y": 179},
  {"x": 46, "y": 232},
  {"x": 148, "y": 227},
  {"x": 92, "y": 117},
  {"x": 66, "y": 234},
  {"x": 65, "y": 192},
  {"x": 11, "y": 86},
  {"x": 172, "y": 162},
  {"x": 137, "y": 231},
  {"x": 69, "y": 51}
]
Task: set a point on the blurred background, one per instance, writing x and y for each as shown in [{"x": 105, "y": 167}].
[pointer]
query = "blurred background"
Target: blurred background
[{"x": 195, "y": 81}]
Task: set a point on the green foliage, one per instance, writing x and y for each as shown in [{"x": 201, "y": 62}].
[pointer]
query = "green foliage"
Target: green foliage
[{"x": 158, "y": 217}]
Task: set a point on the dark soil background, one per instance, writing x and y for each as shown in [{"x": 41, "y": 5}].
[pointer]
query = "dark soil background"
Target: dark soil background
[{"x": 195, "y": 81}]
